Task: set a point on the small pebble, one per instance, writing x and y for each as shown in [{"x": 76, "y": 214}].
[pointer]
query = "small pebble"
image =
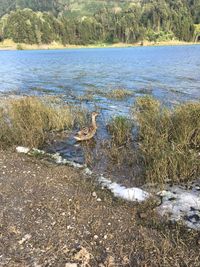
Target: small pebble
[
  {"x": 94, "y": 194},
  {"x": 24, "y": 239}
]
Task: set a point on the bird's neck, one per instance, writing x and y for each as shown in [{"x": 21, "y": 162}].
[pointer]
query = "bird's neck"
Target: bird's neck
[{"x": 94, "y": 122}]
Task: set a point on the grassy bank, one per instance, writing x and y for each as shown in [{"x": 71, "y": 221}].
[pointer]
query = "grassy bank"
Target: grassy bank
[
  {"x": 10, "y": 45},
  {"x": 60, "y": 215},
  {"x": 165, "y": 144}
]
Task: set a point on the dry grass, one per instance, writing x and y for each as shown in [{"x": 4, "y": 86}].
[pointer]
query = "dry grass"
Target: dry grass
[
  {"x": 124, "y": 160},
  {"x": 120, "y": 129},
  {"x": 169, "y": 140},
  {"x": 120, "y": 151},
  {"x": 28, "y": 120}
]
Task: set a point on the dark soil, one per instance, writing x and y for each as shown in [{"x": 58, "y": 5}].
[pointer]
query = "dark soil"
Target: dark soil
[{"x": 54, "y": 215}]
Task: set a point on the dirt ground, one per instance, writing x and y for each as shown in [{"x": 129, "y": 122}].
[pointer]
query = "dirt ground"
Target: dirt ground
[{"x": 56, "y": 216}]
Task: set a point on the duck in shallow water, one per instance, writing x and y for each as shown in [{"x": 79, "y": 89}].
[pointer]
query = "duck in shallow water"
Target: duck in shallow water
[{"x": 88, "y": 132}]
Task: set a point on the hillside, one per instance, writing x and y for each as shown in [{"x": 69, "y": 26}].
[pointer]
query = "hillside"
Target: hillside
[
  {"x": 84, "y": 22},
  {"x": 89, "y": 7},
  {"x": 68, "y": 6}
]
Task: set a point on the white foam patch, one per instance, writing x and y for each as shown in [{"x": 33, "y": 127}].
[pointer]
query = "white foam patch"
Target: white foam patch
[
  {"x": 21, "y": 149},
  {"x": 130, "y": 194},
  {"x": 181, "y": 205}
]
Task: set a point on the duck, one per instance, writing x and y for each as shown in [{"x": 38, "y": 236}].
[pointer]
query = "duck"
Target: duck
[{"x": 88, "y": 133}]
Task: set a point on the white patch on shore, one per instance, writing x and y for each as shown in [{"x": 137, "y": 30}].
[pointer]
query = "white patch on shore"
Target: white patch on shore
[
  {"x": 21, "y": 149},
  {"x": 130, "y": 194},
  {"x": 181, "y": 205},
  {"x": 178, "y": 202}
]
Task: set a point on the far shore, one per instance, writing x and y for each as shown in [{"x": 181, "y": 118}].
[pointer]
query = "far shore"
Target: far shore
[{"x": 10, "y": 45}]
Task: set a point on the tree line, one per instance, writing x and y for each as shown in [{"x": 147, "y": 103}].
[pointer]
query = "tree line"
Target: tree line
[{"x": 152, "y": 20}]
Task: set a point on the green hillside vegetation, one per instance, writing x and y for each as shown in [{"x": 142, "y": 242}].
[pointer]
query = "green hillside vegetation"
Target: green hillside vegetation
[{"x": 88, "y": 22}]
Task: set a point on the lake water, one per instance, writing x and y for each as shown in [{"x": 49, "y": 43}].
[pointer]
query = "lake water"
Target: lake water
[{"x": 171, "y": 74}]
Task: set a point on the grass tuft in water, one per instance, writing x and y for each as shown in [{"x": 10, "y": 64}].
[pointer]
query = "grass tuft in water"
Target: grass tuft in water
[
  {"x": 86, "y": 97},
  {"x": 120, "y": 128},
  {"x": 169, "y": 140},
  {"x": 119, "y": 93}
]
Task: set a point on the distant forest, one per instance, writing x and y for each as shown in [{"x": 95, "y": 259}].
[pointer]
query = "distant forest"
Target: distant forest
[{"x": 88, "y": 22}]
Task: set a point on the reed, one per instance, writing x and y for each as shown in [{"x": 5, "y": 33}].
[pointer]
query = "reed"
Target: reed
[
  {"x": 120, "y": 129},
  {"x": 28, "y": 121},
  {"x": 169, "y": 140}
]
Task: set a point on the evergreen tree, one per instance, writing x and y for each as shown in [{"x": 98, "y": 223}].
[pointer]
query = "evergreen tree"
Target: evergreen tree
[{"x": 148, "y": 19}]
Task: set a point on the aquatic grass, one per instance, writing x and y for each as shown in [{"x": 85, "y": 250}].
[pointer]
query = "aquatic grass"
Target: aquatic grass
[
  {"x": 121, "y": 151},
  {"x": 119, "y": 93},
  {"x": 5, "y": 134},
  {"x": 144, "y": 91},
  {"x": 80, "y": 115},
  {"x": 120, "y": 128},
  {"x": 169, "y": 140},
  {"x": 28, "y": 121},
  {"x": 86, "y": 97},
  {"x": 121, "y": 156}
]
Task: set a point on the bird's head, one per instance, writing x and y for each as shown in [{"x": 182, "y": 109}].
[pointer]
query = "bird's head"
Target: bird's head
[{"x": 95, "y": 114}]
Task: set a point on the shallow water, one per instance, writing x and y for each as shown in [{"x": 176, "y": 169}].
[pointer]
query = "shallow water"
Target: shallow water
[
  {"x": 166, "y": 72},
  {"x": 171, "y": 74}
]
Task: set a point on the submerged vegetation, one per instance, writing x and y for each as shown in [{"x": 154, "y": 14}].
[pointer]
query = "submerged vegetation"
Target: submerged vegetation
[{"x": 95, "y": 22}]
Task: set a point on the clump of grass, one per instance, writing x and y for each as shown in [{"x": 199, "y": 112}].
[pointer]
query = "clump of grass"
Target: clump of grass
[
  {"x": 4, "y": 128},
  {"x": 169, "y": 140},
  {"x": 120, "y": 128},
  {"x": 27, "y": 121},
  {"x": 119, "y": 93},
  {"x": 86, "y": 97},
  {"x": 122, "y": 157},
  {"x": 80, "y": 116}
]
